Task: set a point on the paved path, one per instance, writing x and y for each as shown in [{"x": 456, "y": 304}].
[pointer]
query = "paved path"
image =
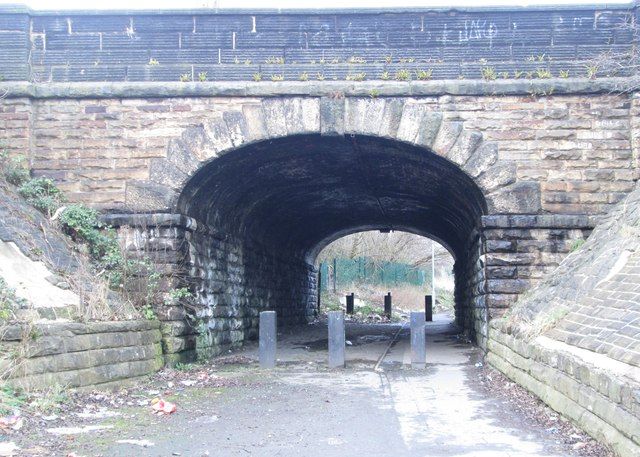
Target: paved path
[{"x": 302, "y": 409}]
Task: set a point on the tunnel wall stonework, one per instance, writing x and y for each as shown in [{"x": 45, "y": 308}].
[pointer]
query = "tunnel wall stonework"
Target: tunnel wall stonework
[
  {"x": 232, "y": 282},
  {"x": 547, "y": 165}
]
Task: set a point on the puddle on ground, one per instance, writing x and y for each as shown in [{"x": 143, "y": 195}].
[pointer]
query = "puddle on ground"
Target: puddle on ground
[{"x": 313, "y": 346}]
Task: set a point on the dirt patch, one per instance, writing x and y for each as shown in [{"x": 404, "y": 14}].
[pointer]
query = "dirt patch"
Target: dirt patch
[{"x": 51, "y": 425}]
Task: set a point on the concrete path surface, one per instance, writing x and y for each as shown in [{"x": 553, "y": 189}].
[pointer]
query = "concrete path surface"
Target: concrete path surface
[{"x": 303, "y": 409}]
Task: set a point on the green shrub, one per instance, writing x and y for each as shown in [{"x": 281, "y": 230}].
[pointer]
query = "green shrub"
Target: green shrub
[
  {"x": 489, "y": 73},
  {"x": 14, "y": 169},
  {"x": 135, "y": 278},
  {"x": 148, "y": 312},
  {"x": 42, "y": 194},
  {"x": 83, "y": 224},
  {"x": 176, "y": 296}
]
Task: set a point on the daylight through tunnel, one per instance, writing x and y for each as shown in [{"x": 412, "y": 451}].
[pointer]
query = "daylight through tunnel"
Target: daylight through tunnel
[{"x": 266, "y": 210}]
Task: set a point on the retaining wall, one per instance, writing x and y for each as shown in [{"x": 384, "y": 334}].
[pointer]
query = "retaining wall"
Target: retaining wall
[
  {"x": 74, "y": 354},
  {"x": 601, "y": 395}
]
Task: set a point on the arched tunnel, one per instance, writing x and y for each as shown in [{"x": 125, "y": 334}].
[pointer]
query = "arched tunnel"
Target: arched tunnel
[{"x": 268, "y": 208}]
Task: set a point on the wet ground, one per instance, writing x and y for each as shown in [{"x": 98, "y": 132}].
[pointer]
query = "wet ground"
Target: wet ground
[{"x": 377, "y": 406}]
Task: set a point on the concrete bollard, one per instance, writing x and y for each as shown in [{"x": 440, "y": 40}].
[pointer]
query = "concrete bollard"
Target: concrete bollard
[
  {"x": 336, "y": 339},
  {"x": 428, "y": 308},
  {"x": 267, "y": 334},
  {"x": 350, "y": 303},
  {"x": 418, "y": 341},
  {"x": 387, "y": 305}
]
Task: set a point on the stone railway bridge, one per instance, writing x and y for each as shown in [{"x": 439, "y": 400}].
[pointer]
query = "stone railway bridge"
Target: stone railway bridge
[{"x": 235, "y": 184}]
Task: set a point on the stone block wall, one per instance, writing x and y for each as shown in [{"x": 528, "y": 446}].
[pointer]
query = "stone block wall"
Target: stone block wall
[
  {"x": 600, "y": 395},
  {"x": 162, "y": 46},
  {"x": 574, "y": 339},
  {"x": 76, "y": 354},
  {"x": 231, "y": 280},
  {"x": 15, "y": 126},
  {"x": 564, "y": 154}
]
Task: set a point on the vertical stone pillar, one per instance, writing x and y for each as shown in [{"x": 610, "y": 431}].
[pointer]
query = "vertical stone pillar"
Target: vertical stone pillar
[
  {"x": 428, "y": 308},
  {"x": 387, "y": 305},
  {"x": 336, "y": 339},
  {"x": 418, "y": 340},
  {"x": 350, "y": 303},
  {"x": 267, "y": 335}
]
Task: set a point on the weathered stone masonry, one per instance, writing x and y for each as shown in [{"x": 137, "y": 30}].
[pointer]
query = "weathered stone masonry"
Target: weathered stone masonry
[
  {"x": 248, "y": 180},
  {"x": 527, "y": 172}
]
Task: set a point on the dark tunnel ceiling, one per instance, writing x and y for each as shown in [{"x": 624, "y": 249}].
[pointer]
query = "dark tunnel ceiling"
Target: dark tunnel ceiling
[{"x": 298, "y": 193}]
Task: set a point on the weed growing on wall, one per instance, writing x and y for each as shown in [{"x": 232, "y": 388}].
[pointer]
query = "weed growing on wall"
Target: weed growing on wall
[
  {"x": 82, "y": 224},
  {"x": 577, "y": 244}
]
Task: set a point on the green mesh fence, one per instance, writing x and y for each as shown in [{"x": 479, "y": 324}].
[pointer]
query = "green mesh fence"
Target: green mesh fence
[{"x": 365, "y": 271}]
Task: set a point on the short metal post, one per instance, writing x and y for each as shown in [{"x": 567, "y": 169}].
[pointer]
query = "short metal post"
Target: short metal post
[
  {"x": 336, "y": 339},
  {"x": 350, "y": 303},
  {"x": 387, "y": 305},
  {"x": 428, "y": 308},
  {"x": 267, "y": 335},
  {"x": 418, "y": 342}
]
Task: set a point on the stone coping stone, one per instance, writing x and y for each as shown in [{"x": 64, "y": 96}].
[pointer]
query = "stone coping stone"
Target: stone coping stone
[
  {"x": 15, "y": 332},
  {"x": 93, "y": 90},
  {"x": 550, "y": 221},
  {"x": 91, "y": 358},
  {"x": 52, "y": 345}
]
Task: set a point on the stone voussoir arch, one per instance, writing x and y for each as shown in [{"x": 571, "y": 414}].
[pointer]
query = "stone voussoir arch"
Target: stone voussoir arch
[{"x": 405, "y": 120}]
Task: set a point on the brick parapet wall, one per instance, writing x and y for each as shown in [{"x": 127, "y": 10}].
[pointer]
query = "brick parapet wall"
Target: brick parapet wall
[{"x": 235, "y": 45}]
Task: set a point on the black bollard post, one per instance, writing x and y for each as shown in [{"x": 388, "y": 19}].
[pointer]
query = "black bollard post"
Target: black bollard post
[
  {"x": 350, "y": 303},
  {"x": 387, "y": 305},
  {"x": 428, "y": 308}
]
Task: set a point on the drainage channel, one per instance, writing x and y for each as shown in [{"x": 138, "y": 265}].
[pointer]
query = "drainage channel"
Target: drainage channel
[{"x": 388, "y": 348}]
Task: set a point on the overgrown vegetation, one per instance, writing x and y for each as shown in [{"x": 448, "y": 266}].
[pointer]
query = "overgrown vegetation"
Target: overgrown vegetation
[
  {"x": 134, "y": 276},
  {"x": 42, "y": 194},
  {"x": 9, "y": 301},
  {"x": 14, "y": 169}
]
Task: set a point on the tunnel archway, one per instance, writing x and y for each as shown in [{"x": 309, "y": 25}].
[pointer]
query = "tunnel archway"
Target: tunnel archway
[{"x": 266, "y": 209}]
